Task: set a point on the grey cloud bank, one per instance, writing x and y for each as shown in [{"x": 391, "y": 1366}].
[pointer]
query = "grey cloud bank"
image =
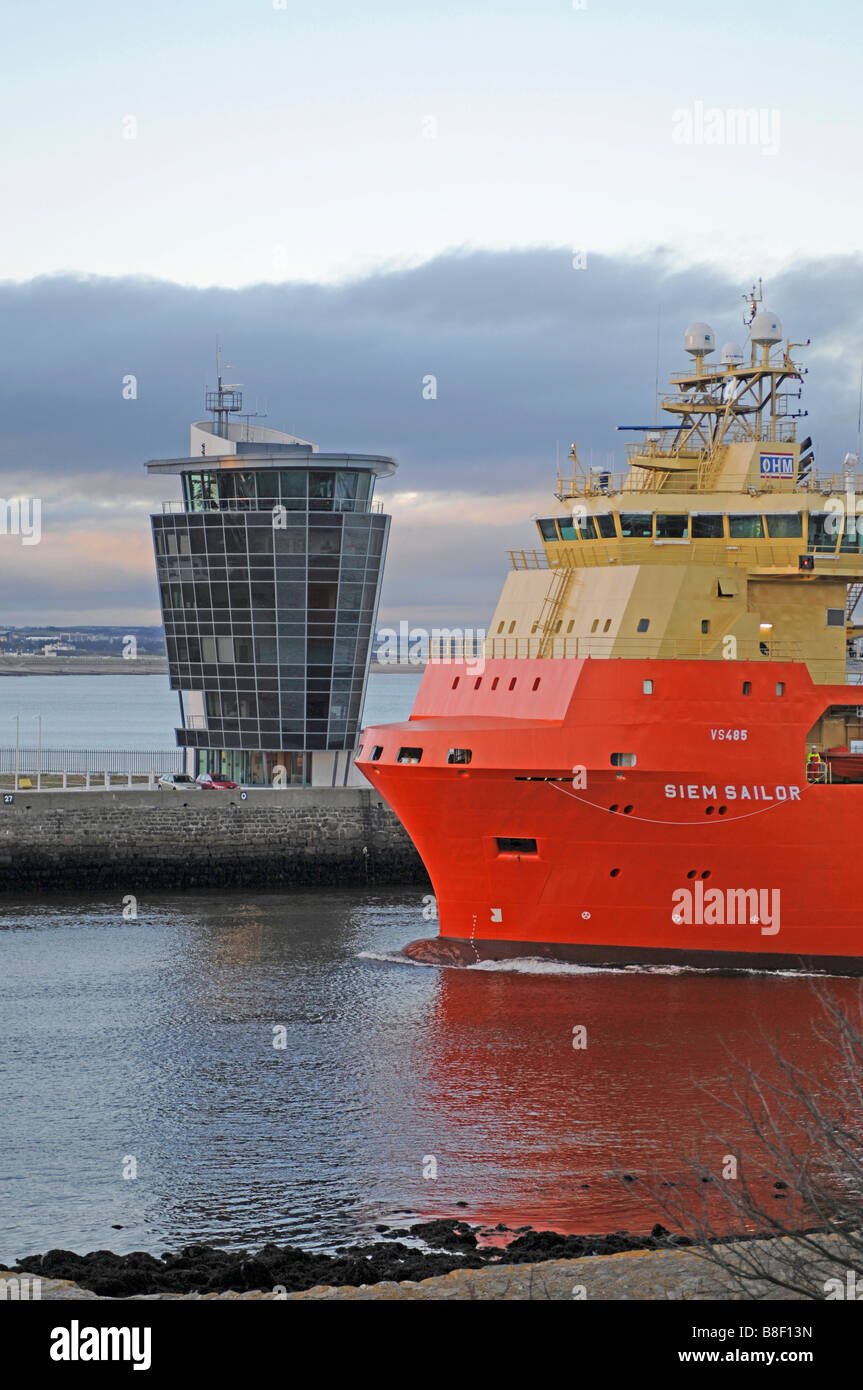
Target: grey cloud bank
[{"x": 526, "y": 351}]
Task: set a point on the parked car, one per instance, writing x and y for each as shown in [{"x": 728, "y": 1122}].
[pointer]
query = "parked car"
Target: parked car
[
  {"x": 177, "y": 782},
  {"x": 216, "y": 783}
]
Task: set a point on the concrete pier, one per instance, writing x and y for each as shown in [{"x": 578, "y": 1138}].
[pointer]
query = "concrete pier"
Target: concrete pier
[{"x": 57, "y": 841}]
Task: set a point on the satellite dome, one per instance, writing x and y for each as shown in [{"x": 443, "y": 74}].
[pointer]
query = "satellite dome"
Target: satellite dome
[
  {"x": 730, "y": 354},
  {"x": 766, "y": 328},
  {"x": 699, "y": 338}
]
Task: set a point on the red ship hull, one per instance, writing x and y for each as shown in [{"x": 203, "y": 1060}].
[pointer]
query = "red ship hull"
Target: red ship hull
[{"x": 545, "y": 845}]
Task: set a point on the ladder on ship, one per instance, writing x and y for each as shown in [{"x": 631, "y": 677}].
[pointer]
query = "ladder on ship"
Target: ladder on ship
[
  {"x": 855, "y": 591},
  {"x": 552, "y": 606}
]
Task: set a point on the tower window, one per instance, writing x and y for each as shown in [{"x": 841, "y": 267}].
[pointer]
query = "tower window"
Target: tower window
[
  {"x": 747, "y": 687},
  {"x": 705, "y": 624},
  {"x": 606, "y": 625},
  {"x": 647, "y": 687},
  {"x": 835, "y": 617},
  {"x": 643, "y": 624},
  {"x": 512, "y": 627},
  {"x": 623, "y": 760}
]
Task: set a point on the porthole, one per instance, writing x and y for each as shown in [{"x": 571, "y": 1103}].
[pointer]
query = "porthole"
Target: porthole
[
  {"x": 535, "y": 685},
  {"x": 455, "y": 682},
  {"x": 495, "y": 683},
  {"x": 691, "y": 873},
  {"x": 512, "y": 682},
  {"x": 722, "y": 810},
  {"x": 615, "y": 807},
  {"x": 606, "y": 625},
  {"x": 705, "y": 873},
  {"x": 628, "y": 810},
  {"x": 614, "y": 873},
  {"x": 477, "y": 683},
  {"x": 708, "y": 810}
]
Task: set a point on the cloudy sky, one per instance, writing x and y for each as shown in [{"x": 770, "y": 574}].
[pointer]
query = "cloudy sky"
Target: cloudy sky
[{"x": 519, "y": 198}]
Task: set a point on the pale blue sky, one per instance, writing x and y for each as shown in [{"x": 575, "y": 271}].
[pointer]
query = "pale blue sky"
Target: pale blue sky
[{"x": 278, "y": 144}]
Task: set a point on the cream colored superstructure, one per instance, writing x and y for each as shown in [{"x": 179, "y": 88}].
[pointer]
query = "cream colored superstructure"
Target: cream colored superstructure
[{"x": 720, "y": 541}]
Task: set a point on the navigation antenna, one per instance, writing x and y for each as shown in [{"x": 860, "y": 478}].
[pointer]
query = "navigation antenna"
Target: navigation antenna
[
  {"x": 753, "y": 299},
  {"x": 226, "y": 400},
  {"x": 253, "y": 415}
]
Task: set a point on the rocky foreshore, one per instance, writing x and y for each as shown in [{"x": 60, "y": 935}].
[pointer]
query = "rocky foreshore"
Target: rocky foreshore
[
  {"x": 449, "y": 1262},
  {"x": 447, "y": 1246}
]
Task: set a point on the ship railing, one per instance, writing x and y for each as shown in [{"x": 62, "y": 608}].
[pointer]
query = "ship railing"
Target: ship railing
[
  {"x": 751, "y": 552},
  {"x": 510, "y": 648}
]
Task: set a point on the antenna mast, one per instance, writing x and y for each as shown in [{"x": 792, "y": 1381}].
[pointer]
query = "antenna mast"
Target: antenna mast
[{"x": 226, "y": 400}]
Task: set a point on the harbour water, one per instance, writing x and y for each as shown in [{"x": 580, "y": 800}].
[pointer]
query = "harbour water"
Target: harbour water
[
  {"x": 401, "y": 1093},
  {"x": 146, "y": 1105},
  {"x": 137, "y": 711}
]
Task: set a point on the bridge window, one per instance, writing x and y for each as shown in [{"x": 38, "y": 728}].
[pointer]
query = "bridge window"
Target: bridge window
[
  {"x": 585, "y": 528},
  {"x": 745, "y": 527},
  {"x": 636, "y": 523},
  {"x": 409, "y": 755},
  {"x": 548, "y": 529},
  {"x": 507, "y": 844},
  {"x": 707, "y": 526},
  {"x": 375, "y": 753},
  {"x": 784, "y": 524},
  {"x": 605, "y": 526},
  {"x": 822, "y": 531},
  {"x": 671, "y": 525},
  {"x": 623, "y": 760}
]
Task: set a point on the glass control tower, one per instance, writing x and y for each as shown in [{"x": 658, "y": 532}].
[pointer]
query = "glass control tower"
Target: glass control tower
[{"x": 269, "y": 573}]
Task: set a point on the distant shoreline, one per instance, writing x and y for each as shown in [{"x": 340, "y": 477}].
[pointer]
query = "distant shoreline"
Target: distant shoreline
[{"x": 141, "y": 666}]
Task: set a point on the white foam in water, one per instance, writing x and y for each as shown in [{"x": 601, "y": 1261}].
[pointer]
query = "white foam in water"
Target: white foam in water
[
  {"x": 393, "y": 957},
  {"x": 537, "y": 965}
]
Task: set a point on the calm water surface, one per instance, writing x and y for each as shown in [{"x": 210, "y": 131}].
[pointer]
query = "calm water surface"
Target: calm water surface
[
  {"x": 154, "y": 1039},
  {"x": 137, "y": 711}
]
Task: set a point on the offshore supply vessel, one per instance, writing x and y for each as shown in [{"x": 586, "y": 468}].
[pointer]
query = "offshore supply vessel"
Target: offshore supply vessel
[{"x": 656, "y": 753}]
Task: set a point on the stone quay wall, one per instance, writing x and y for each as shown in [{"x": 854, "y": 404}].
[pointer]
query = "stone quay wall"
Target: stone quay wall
[{"x": 57, "y": 841}]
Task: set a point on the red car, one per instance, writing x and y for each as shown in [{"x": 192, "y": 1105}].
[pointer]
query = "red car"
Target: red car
[{"x": 216, "y": 784}]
